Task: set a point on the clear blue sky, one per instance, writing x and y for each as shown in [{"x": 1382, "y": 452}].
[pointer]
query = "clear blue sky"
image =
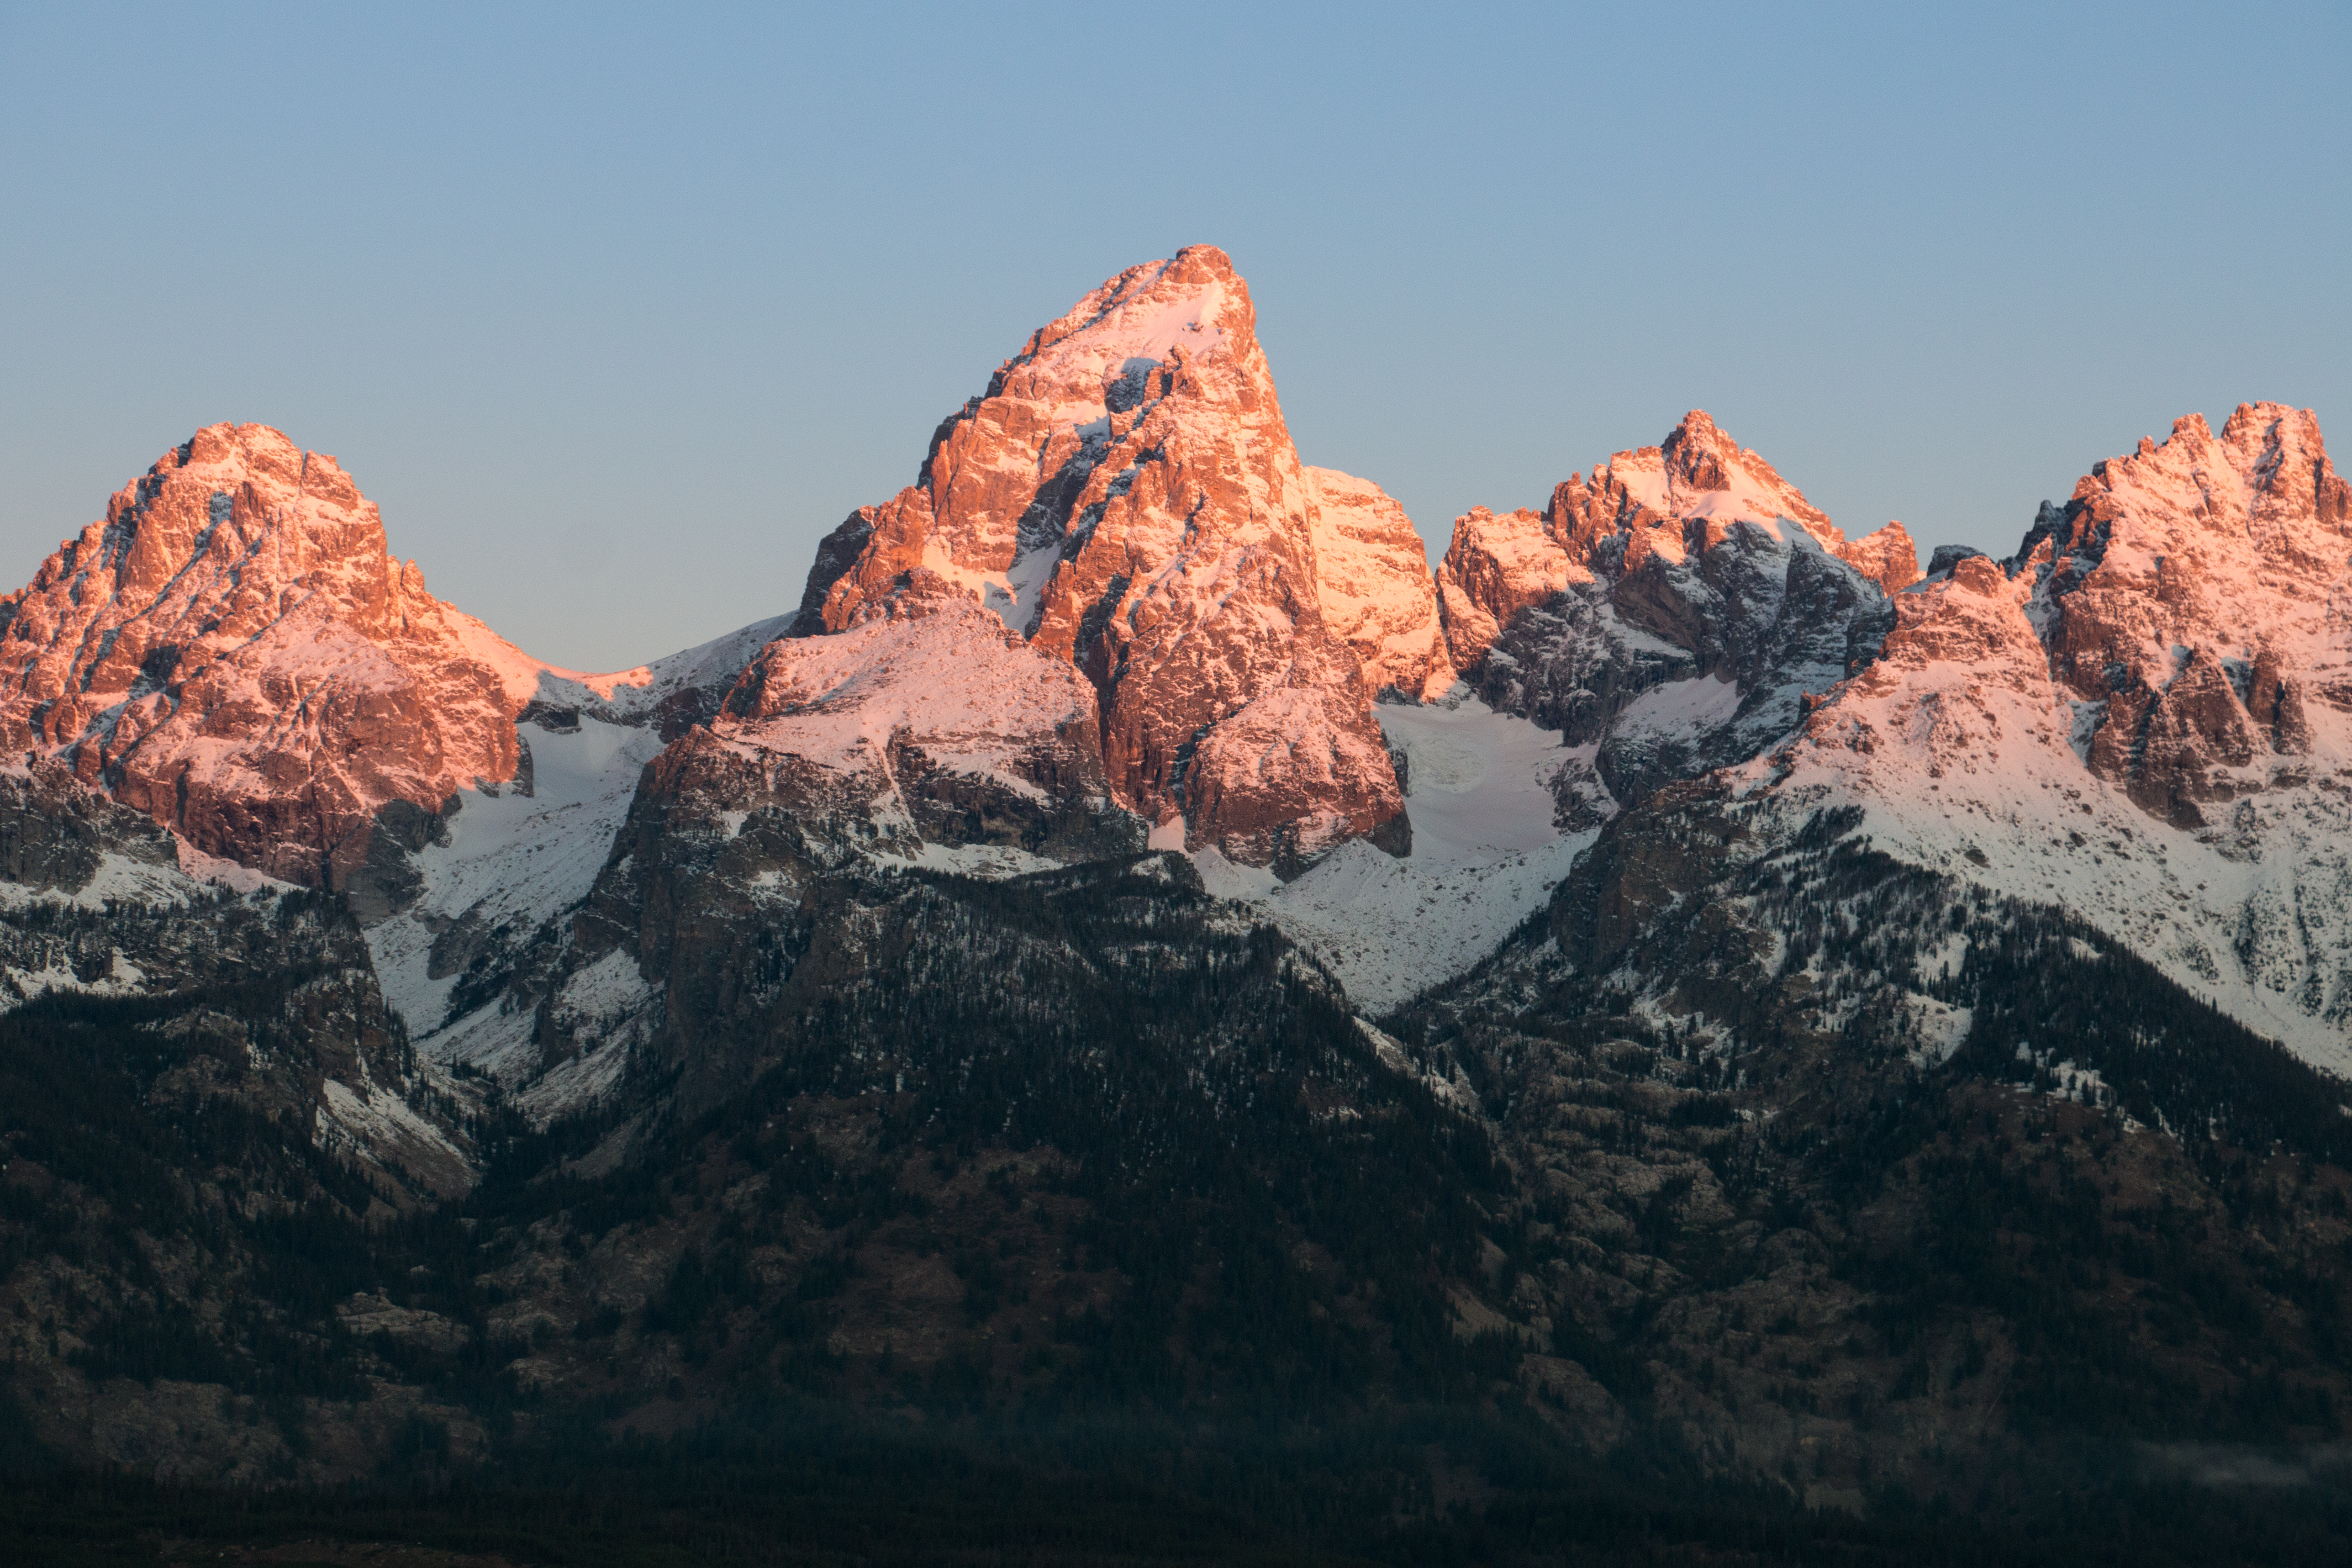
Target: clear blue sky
[{"x": 614, "y": 313}]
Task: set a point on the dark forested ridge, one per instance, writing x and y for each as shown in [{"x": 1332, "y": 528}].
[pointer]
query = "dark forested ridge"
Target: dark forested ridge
[{"x": 1100, "y": 1219}]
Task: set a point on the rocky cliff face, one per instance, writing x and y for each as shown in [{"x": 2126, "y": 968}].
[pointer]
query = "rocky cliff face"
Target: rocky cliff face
[
  {"x": 924, "y": 734},
  {"x": 2130, "y": 718},
  {"x": 234, "y": 652},
  {"x": 267, "y": 993},
  {"x": 1372, "y": 574},
  {"x": 1889, "y": 557},
  {"x": 1126, "y": 497},
  {"x": 2186, "y": 592},
  {"x": 1671, "y": 610}
]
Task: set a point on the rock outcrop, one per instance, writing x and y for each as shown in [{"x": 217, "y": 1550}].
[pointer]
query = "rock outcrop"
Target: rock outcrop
[
  {"x": 926, "y": 723},
  {"x": 1889, "y": 557},
  {"x": 234, "y": 652},
  {"x": 2186, "y": 594},
  {"x": 1126, "y": 497},
  {"x": 56, "y": 835},
  {"x": 1372, "y": 571},
  {"x": 925, "y": 734},
  {"x": 1673, "y": 609}
]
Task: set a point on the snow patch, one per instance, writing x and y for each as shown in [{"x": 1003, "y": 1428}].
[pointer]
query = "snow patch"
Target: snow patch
[
  {"x": 1680, "y": 707},
  {"x": 376, "y": 1121},
  {"x": 513, "y": 861},
  {"x": 624, "y": 694},
  {"x": 122, "y": 978},
  {"x": 1486, "y": 855},
  {"x": 227, "y": 874},
  {"x": 993, "y": 862},
  {"x": 1941, "y": 1027}
]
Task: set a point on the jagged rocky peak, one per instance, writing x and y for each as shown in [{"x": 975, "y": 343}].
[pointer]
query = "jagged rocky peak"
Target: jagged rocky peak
[
  {"x": 234, "y": 651},
  {"x": 1673, "y": 609},
  {"x": 1958, "y": 677},
  {"x": 1653, "y": 507},
  {"x": 1889, "y": 556},
  {"x": 2184, "y": 591},
  {"x": 1125, "y": 497},
  {"x": 2140, "y": 716}
]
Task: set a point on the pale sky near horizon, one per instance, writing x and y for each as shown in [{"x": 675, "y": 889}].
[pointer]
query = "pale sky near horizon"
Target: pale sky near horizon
[{"x": 614, "y": 314}]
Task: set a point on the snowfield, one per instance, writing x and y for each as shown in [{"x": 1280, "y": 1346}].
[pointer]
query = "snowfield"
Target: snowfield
[
  {"x": 511, "y": 859},
  {"x": 1486, "y": 855}
]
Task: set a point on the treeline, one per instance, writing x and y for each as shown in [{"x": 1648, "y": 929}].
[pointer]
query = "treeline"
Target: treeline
[{"x": 1193, "y": 1085}]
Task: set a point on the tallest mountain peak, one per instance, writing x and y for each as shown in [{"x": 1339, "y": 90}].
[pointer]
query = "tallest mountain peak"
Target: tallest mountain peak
[
  {"x": 1190, "y": 309},
  {"x": 1127, "y": 497},
  {"x": 1698, "y": 432}
]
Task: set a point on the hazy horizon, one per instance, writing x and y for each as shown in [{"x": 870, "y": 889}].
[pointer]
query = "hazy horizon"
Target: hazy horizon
[{"x": 614, "y": 319}]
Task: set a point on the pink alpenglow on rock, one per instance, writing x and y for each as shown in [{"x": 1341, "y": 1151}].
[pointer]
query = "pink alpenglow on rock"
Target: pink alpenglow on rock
[
  {"x": 1888, "y": 557},
  {"x": 1674, "y": 609},
  {"x": 1639, "y": 512},
  {"x": 1372, "y": 572},
  {"x": 1125, "y": 496},
  {"x": 2191, "y": 590},
  {"x": 234, "y": 652},
  {"x": 2142, "y": 715}
]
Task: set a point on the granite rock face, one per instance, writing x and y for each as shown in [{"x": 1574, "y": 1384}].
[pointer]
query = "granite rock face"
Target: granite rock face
[
  {"x": 1889, "y": 557},
  {"x": 1126, "y": 497},
  {"x": 1372, "y": 573},
  {"x": 1672, "y": 609},
  {"x": 234, "y": 651},
  {"x": 2186, "y": 592}
]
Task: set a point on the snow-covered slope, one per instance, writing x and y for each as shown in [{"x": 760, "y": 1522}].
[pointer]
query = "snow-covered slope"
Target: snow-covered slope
[
  {"x": 926, "y": 722},
  {"x": 667, "y": 694},
  {"x": 923, "y": 734},
  {"x": 511, "y": 863},
  {"x": 2121, "y": 726},
  {"x": 1481, "y": 789},
  {"x": 482, "y": 962}
]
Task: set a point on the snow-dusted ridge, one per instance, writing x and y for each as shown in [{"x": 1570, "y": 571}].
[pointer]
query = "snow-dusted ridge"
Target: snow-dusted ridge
[
  {"x": 624, "y": 696},
  {"x": 1118, "y": 610}
]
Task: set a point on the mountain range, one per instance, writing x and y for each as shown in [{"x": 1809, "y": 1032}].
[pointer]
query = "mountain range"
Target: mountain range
[{"x": 1723, "y": 1002}]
